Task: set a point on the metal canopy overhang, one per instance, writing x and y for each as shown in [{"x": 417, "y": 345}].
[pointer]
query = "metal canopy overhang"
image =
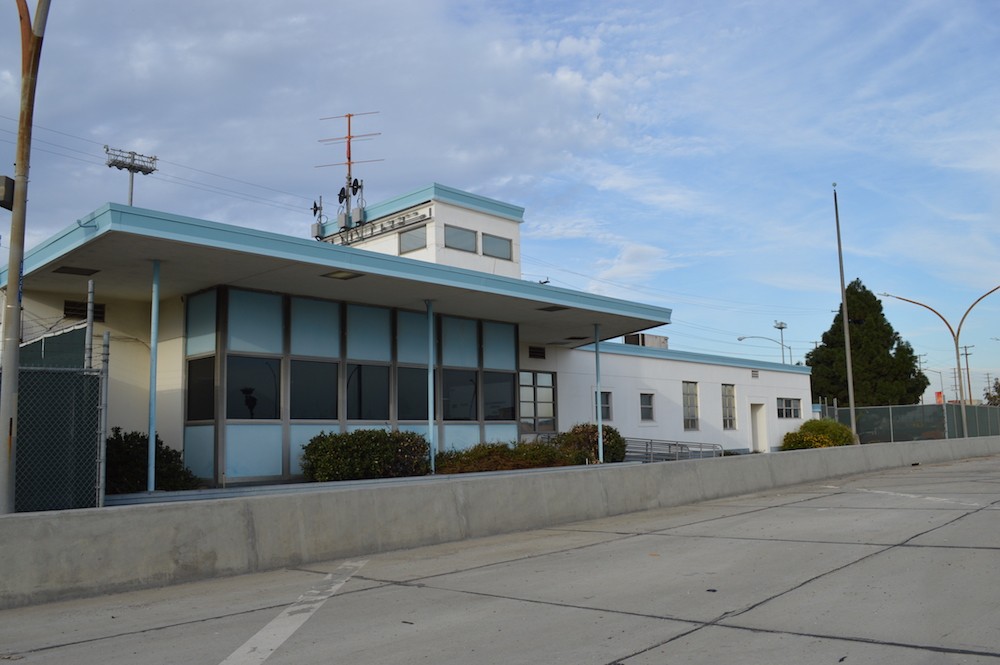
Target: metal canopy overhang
[{"x": 120, "y": 243}]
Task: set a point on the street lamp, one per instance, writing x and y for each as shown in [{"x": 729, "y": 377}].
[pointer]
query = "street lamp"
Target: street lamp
[
  {"x": 781, "y": 325},
  {"x": 770, "y": 339},
  {"x": 955, "y": 334}
]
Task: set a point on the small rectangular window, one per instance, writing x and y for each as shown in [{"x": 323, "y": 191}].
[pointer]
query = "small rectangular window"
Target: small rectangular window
[
  {"x": 497, "y": 247},
  {"x": 253, "y": 388},
  {"x": 412, "y": 239},
  {"x": 411, "y": 393},
  {"x": 789, "y": 407},
  {"x": 690, "y": 399},
  {"x": 201, "y": 389},
  {"x": 456, "y": 237},
  {"x": 368, "y": 392},
  {"x": 728, "y": 406},
  {"x": 646, "y": 406}
]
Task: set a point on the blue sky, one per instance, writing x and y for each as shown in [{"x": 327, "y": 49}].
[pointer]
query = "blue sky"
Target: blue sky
[{"x": 675, "y": 153}]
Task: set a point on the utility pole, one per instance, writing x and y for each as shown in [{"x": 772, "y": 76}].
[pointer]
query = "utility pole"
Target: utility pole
[
  {"x": 968, "y": 376},
  {"x": 847, "y": 328},
  {"x": 10, "y": 352}
]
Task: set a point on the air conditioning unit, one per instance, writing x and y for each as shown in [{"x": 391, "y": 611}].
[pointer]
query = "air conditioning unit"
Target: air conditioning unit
[{"x": 645, "y": 339}]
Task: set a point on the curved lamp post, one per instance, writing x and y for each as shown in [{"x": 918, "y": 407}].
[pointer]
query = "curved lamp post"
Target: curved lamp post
[
  {"x": 783, "y": 346},
  {"x": 955, "y": 334}
]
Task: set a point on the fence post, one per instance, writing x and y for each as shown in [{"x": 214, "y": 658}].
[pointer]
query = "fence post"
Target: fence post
[{"x": 103, "y": 443}]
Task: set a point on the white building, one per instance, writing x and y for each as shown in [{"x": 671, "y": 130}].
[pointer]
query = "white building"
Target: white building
[{"x": 413, "y": 318}]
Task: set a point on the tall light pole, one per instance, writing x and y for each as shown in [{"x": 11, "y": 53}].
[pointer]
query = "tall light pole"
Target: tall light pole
[
  {"x": 783, "y": 347},
  {"x": 955, "y": 334},
  {"x": 847, "y": 329},
  {"x": 781, "y": 325},
  {"x": 10, "y": 352}
]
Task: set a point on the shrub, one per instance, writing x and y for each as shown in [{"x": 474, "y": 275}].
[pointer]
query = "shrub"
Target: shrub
[
  {"x": 127, "y": 460},
  {"x": 582, "y": 440},
  {"x": 367, "y": 453},
  {"x": 504, "y": 457},
  {"x": 822, "y": 433}
]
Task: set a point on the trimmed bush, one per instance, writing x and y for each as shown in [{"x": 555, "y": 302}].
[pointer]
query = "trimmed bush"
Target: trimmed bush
[
  {"x": 582, "y": 440},
  {"x": 504, "y": 457},
  {"x": 363, "y": 454},
  {"x": 823, "y": 433},
  {"x": 127, "y": 460}
]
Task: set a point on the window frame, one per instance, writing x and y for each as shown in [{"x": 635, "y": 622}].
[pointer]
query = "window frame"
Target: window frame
[
  {"x": 789, "y": 408},
  {"x": 452, "y": 233},
  {"x": 729, "y": 406},
  {"x": 647, "y": 412},
  {"x": 689, "y": 400},
  {"x": 508, "y": 244}
]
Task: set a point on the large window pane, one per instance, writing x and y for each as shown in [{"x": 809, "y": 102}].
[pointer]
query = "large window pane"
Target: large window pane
[
  {"x": 497, "y": 247},
  {"x": 255, "y": 322},
  {"x": 252, "y": 387},
  {"x": 368, "y": 392},
  {"x": 499, "y": 345},
  {"x": 412, "y": 239},
  {"x": 369, "y": 333},
  {"x": 498, "y": 396},
  {"x": 315, "y": 328},
  {"x": 313, "y": 391},
  {"x": 201, "y": 323},
  {"x": 411, "y": 337},
  {"x": 459, "y": 342},
  {"x": 458, "y": 238},
  {"x": 458, "y": 394},
  {"x": 201, "y": 389},
  {"x": 411, "y": 393}
]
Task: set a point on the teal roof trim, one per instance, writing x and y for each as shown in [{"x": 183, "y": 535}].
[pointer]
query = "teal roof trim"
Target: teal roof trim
[
  {"x": 436, "y": 192},
  {"x": 189, "y": 230},
  {"x": 618, "y": 348}
]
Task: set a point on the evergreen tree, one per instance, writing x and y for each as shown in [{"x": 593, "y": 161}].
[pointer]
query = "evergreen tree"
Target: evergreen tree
[
  {"x": 884, "y": 365},
  {"x": 991, "y": 395}
]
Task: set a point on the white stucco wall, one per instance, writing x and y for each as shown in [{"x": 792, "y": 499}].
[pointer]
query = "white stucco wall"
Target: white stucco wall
[{"x": 627, "y": 376}]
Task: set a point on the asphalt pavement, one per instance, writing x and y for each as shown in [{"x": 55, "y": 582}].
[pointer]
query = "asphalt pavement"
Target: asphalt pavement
[{"x": 894, "y": 567}]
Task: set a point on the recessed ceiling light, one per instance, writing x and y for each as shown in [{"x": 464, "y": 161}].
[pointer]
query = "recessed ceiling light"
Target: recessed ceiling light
[
  {"x": 70, "y": 270},
  {"x": 343, "y": 274}
]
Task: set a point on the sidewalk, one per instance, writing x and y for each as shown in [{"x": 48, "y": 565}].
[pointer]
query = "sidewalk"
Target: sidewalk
[{"x": 896, "y": 567}]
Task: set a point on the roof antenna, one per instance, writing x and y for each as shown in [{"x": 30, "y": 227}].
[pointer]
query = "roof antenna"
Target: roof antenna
[{"x": 353, "y": 189}]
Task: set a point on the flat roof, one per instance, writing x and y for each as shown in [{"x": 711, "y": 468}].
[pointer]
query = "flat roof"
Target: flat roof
[{"x": 116, "y": 246}]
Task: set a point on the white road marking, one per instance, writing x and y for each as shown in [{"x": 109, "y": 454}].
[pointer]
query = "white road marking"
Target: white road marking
[
  {"x": 925, "y": 498},
  {"x": 269, "y": 638}
]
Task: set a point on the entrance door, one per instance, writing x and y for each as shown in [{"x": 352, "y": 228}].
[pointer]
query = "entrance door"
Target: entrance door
[{"x": 758, "y": 428}]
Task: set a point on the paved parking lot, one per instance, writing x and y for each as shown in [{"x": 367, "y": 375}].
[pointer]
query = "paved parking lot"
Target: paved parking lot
[{"x": 895, "y": 567}]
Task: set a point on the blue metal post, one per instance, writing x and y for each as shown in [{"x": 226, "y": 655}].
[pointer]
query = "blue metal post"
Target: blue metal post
[
  {"x": 154, "y": 341},
  {"x": 431, "y": 428},
  {"x": 600, "y": 421}
]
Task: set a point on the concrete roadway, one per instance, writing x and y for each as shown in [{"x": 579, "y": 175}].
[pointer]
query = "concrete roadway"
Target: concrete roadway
[{"x": 895, "y": 567}]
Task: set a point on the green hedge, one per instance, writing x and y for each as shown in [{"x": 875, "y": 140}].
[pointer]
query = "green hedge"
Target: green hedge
[
  {"x": 504, "y": 457},
  {"x": 127, "y": 460},
  {"x": 367, "y": 453},
  {"x": 823, "y": 433},
  {"x": 582, "y": 440}
]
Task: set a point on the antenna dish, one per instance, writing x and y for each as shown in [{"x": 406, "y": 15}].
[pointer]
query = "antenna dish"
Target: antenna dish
[
  {"x": 317, "y": 208},
  {"x": 343, "y": 195},
  {"x": 355, "y": 186}
]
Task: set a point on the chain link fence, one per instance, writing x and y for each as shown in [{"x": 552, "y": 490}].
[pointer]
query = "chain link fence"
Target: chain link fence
[
  {"x": 917, "y": 422},
  {"x": 59, "y": 439}
]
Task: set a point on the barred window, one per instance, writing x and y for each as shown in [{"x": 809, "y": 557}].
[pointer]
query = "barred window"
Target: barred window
[{"x": 646, "y": 406}]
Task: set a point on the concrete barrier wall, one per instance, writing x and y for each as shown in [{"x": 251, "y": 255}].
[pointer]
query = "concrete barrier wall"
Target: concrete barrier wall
[{"x": 56, "y": 555}]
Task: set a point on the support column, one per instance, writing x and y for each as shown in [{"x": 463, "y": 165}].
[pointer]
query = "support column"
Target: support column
[
  {"x": 431, "y": 427},
  {"x": 600, "y": 420},
  {"x": 154, "y": 342}
]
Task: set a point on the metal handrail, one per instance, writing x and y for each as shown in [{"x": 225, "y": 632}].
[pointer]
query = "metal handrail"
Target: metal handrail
[{"x": 652, "y": 450}]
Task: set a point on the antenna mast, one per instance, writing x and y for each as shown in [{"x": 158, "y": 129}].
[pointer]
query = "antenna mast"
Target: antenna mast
[{"x": 352, "y": 186}]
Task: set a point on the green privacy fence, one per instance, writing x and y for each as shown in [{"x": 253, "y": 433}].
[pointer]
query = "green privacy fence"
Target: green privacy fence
[
  {"x": 918, "y": 422},
  {"x": 59, "y": 439}
]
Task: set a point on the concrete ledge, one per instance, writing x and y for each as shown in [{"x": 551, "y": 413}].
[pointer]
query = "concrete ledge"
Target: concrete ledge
[{"x": 56, "y": 555}]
